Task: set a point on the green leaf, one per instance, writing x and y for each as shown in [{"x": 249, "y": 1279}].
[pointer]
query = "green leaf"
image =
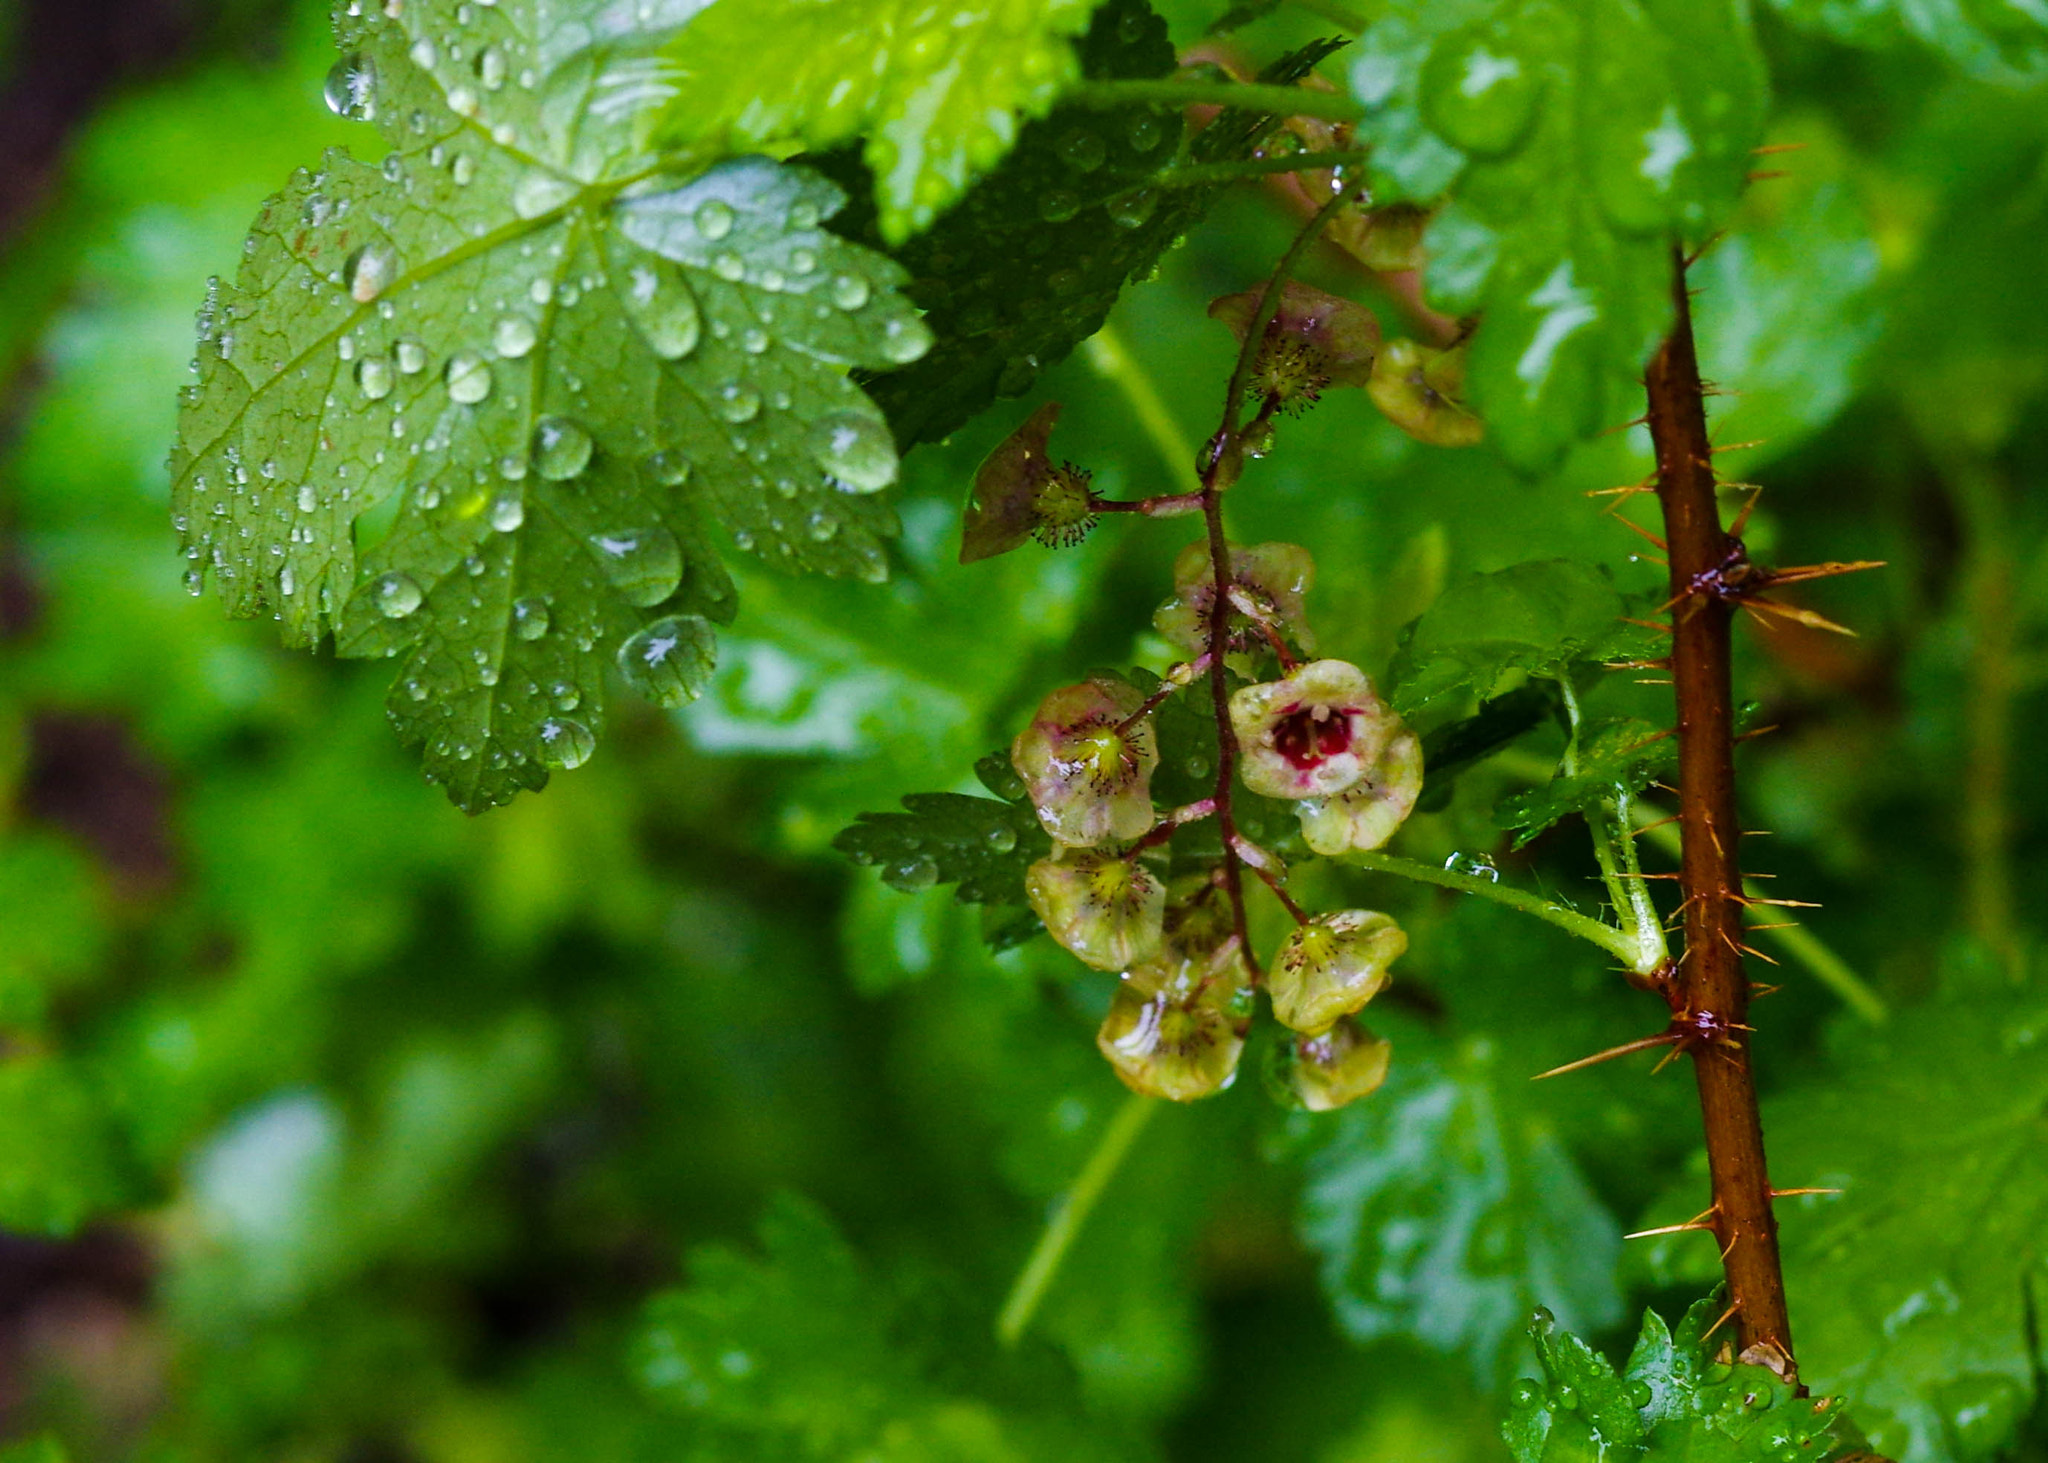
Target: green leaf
[
  {"x": 60, "y": 1161},
  {"x": 1675, "y": 1402},
  {"x": 1446, "y": 1209},
  {"x": 980, "y": 844},
  {"x": 1034, "y": 257},
  {"x": 1985, "y": 37},
  {"x": 473, "y": 407},
  {"x": 1575, "y": 140},
  {"x": 936, "y": 92},
  {"x": 1541, "y": 618},
  {"x": 1616, "y": 757}
]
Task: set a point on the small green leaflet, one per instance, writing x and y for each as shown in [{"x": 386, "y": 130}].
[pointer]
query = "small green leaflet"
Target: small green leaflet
[
  {"x": 1676, "y": 1401},
  {"x": 980, "y": 844},
  {"x": 1580, "y": 138},
  {"x": 936, "y": 90},
  {"x": 1617, "y": 756},
  {"x": 473, "y": 407}
]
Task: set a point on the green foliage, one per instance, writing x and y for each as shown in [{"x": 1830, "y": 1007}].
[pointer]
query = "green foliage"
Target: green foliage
[
  {"x": 1615, "y": 757},
  {"x": 1573, "y": 140},
  {"x": 937, "y": 94},
  {"x": 1676, "y": 1401},
  {"x": 504, "y": 495},
  {"x": 1982, "y": 36},
  {"x": 982, "y": 845}
]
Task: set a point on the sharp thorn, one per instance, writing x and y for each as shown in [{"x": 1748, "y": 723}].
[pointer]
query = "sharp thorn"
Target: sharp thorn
[
  {"x": 1788, "y": 1193},
  {"x": 1662, "y": 1038},
  {"x": 1773, "y": 147},
  {"x": 1725, "y": 1315}
]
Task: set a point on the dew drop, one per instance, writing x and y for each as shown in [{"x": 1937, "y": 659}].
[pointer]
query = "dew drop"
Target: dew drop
[
  {"x": 1058, "y": 205},
  {"x": 823, "y": 527},
  {"x": 1473, "y": 865},
  {"x": 850, "y": 291},
  {"x": 374, "y": 377},
  {"x": 670, "y": 469},
  {"x": 561, "y": 448},
  {"x": 462, "y": 169},
  {"x": 663, "y": 308},
  {"x": 754, "y": 340},
  {"x": 1133, "y": 210},
  {"x": 669, "y": 661},
  {"x": 738, "y": 402},
  {"x": 856, "y": 449},
  {"x": 411, "y": 356},
  {"x": 1144, "y": 133},
  {"x": 307, "y": 499},
  {"x": 351, "y": 88},
  {"x": 369, "y": 271},
  {"x": 462, "y": 101},
  {"x": 490, "y": 67},
  {"x": 644, "y": 565},
  {"x": 468, "y": 377},
  {"x": 1082, "y": 150},
  {"x": 513, "y": 336},
  {"x": 913, "y": 874},
  {"x": 424, "y": 55},
  {"x": 728, "y": 266},
  {"x": 803, "y": 261},
  {"x": 714, "y": 219},
  {"x": 530, "y": 619},
  {"x": 508, "y": 511},
  {"x": 564, "y": 743},
  {"x": 1002, "y": 839},
  {"x": 397, "y": 595},
  {"x": 564, "y": 696},
  {"x": 905, "y": 340}
]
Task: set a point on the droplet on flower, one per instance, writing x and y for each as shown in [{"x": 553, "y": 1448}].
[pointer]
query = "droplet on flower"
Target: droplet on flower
[
  {"x": 1270, "y": 581},
  {"x": 1345, "y": 1063},
  {"x": 1088, "y": 777},
  {"x": 670, "y": 661},
  {"x": 1103, "y": 908},
  {"x": 1311, "y": 734},
  {"x": 1331, "y": 966},
  {"x": 1366, "y": 814}
]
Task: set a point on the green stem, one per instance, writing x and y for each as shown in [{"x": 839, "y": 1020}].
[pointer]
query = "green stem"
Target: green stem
[
  {"x": 1627, "y": 890},
  {"x": 1281, "y": 101},
  {"x": 1070, "y": 1214},
  {"x": 1113, "y": 361},
  {"x": 1621, "y": 944},
  {"x": 1194, "y": 175}
]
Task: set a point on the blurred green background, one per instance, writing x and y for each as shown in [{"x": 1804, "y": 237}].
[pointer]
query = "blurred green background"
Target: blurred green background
[{"x": 337, "y": 1125}]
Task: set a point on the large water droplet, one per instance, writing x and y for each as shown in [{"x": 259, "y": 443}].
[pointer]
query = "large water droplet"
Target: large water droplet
[
  {"x": 561, "y": 448},
  {"x": 351, "y": 88},
  {"x": 670, "y": 660},
  {"x": 850, "y": 291},
  {"x": 468, "y": 376},
  {"x": 397, "y": 595},
  {"x": 508, "y": 511},
  {"x": 412, "y": 357},
  {"x": 564, "y": 743},
  {"x": 1082, "y": 150},
  {"x": 1477, "y": 93},
  {"x": 714, "y": 218},
  {"x": 858, "y": 450},
  {"x": 905, "y": 340},
  {"x": 530, "y": 619},
  {"x": 738, "y": 402},
  {"x": 823, "y": 527},
  {"x": 1144, "y": 132},
  {"x": 1058, "y": 205},
  {"x": 1473, "y": 865},
  {"x": 1133, "y": 210},
  {"x": 663, "y": 307},
  {"x": 643, "y": 564},
  {"x": 374, "y": 377},
  {"x": 369, "y": 271},
  {"x": 513, "y": 336},
  {"x": 539, "y": 192},
  {"x": 490, "y": 67},
  {"x": 1002, "y": 838},
  {"x": 913, "y": 874}
]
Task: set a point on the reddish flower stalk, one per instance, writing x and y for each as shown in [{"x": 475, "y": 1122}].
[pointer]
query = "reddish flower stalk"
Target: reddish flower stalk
[{"x": 1709, "y": 988}]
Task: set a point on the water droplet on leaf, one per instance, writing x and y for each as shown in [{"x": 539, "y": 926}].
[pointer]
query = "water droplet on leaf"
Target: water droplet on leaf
[
  {"x": 374, "y": 377},
  {"x": 714, "y": 219},
  {"x": 850, "y": 291},
  {"x": 351, "y": 89},
  {"x": 564, "y": 743},
  {"x": 530, "y": 619},
  {"x": 468, "y": 377},
  {"x": 856, "y": 449},
  {"x": 397, "y": 595},
  {"x": 669, "y": 661},
  {"x": 513, "y": 336},
  {"x": 644, "y": 565},
  {"x": 561, "y": 448},
  {"x": 369, "y": 272}
]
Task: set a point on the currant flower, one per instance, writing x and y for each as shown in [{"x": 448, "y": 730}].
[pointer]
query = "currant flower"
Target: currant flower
[
  {"x": 1331, "y": 966},
  {"x": 1270, "y": 578},
  {"x": 1312, "y": 734},
  {"x": 1090, "y": 782},
  {"x": 1367, "y": 813},
  {"x": 1422, "y": 391},
  {"x": 1176, "y": 1026},
  {"x": 1107, "y": 910},
  {"x": 1313, "y": 342},
  {"x": 1020, "y": 493},
  {"x": 1330, "y": 1071}
]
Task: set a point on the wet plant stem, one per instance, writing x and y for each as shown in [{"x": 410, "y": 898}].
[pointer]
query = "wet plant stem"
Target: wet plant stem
[
  {"x": 1070, "y": 1214},
  {"x": 1709, "y": 978},
  {"x": 1620, "y": 943},
  {"x": 1280, "y": 101},
  {"x": 1615, "y": 851}
]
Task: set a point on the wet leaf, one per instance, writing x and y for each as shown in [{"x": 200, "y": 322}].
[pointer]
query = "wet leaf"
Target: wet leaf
[
  {"x": 1616, "y": 756},
  {"x": 982, "y": 845}
]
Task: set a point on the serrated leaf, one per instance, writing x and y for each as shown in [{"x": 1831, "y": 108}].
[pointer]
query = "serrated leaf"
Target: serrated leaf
[
  {"x": 1450, "y": 749},
  {"x": 1445, "y": 1210},
  {"x": 936, "y": 93},
  {"x": 473, "y": 407},
  {"x": 980, "y": 844},
  {"x": 1541, "y": 618},
  {"x": 1673, "y": 1403},
  {"x": 1031, "y": 261},
  {"x": 1575, "y": 140},
  {"x": 1616, "y": 757}
]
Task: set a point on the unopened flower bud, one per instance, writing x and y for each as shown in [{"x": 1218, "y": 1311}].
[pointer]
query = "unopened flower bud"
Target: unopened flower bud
[
  {"x": 1422, "y": 392},
  {"x": 1367, "y": 813},
  {"x": 1020, "y": 493},
  {"x": 1311, "y": 734},
  {"x": 1105, "y": 909},
  {"x": 1345, "y": 1063},
  {"x": 1314, "y": 341},
  {"x": 1332, "y": 966},
  {"x": 1271, "y": 579},
  {"x": 1089, "y": 781}
]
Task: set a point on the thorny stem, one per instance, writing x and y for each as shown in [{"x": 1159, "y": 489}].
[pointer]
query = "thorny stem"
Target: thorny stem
[
  {"x": 1070, "y": 1215},
  {"x": 1709, "y": 978}
]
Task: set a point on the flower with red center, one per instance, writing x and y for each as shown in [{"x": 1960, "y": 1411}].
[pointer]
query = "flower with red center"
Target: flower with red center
[
  {"x": 1366, "y": 814},
  {"x": 1107, "y": 910},
  {"x": 1312, "y": 734},
  {"x": 1331, "y": 966},
  {"x": 1268, "y": 579},
  {"x": 1422, "y": 392},
  {"x": 1020, "y": 493},
  {"x": 1345, "y": 1063},
  {"x": 1089, "y": 776},
  {"x": 1313, "y": 342}
]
